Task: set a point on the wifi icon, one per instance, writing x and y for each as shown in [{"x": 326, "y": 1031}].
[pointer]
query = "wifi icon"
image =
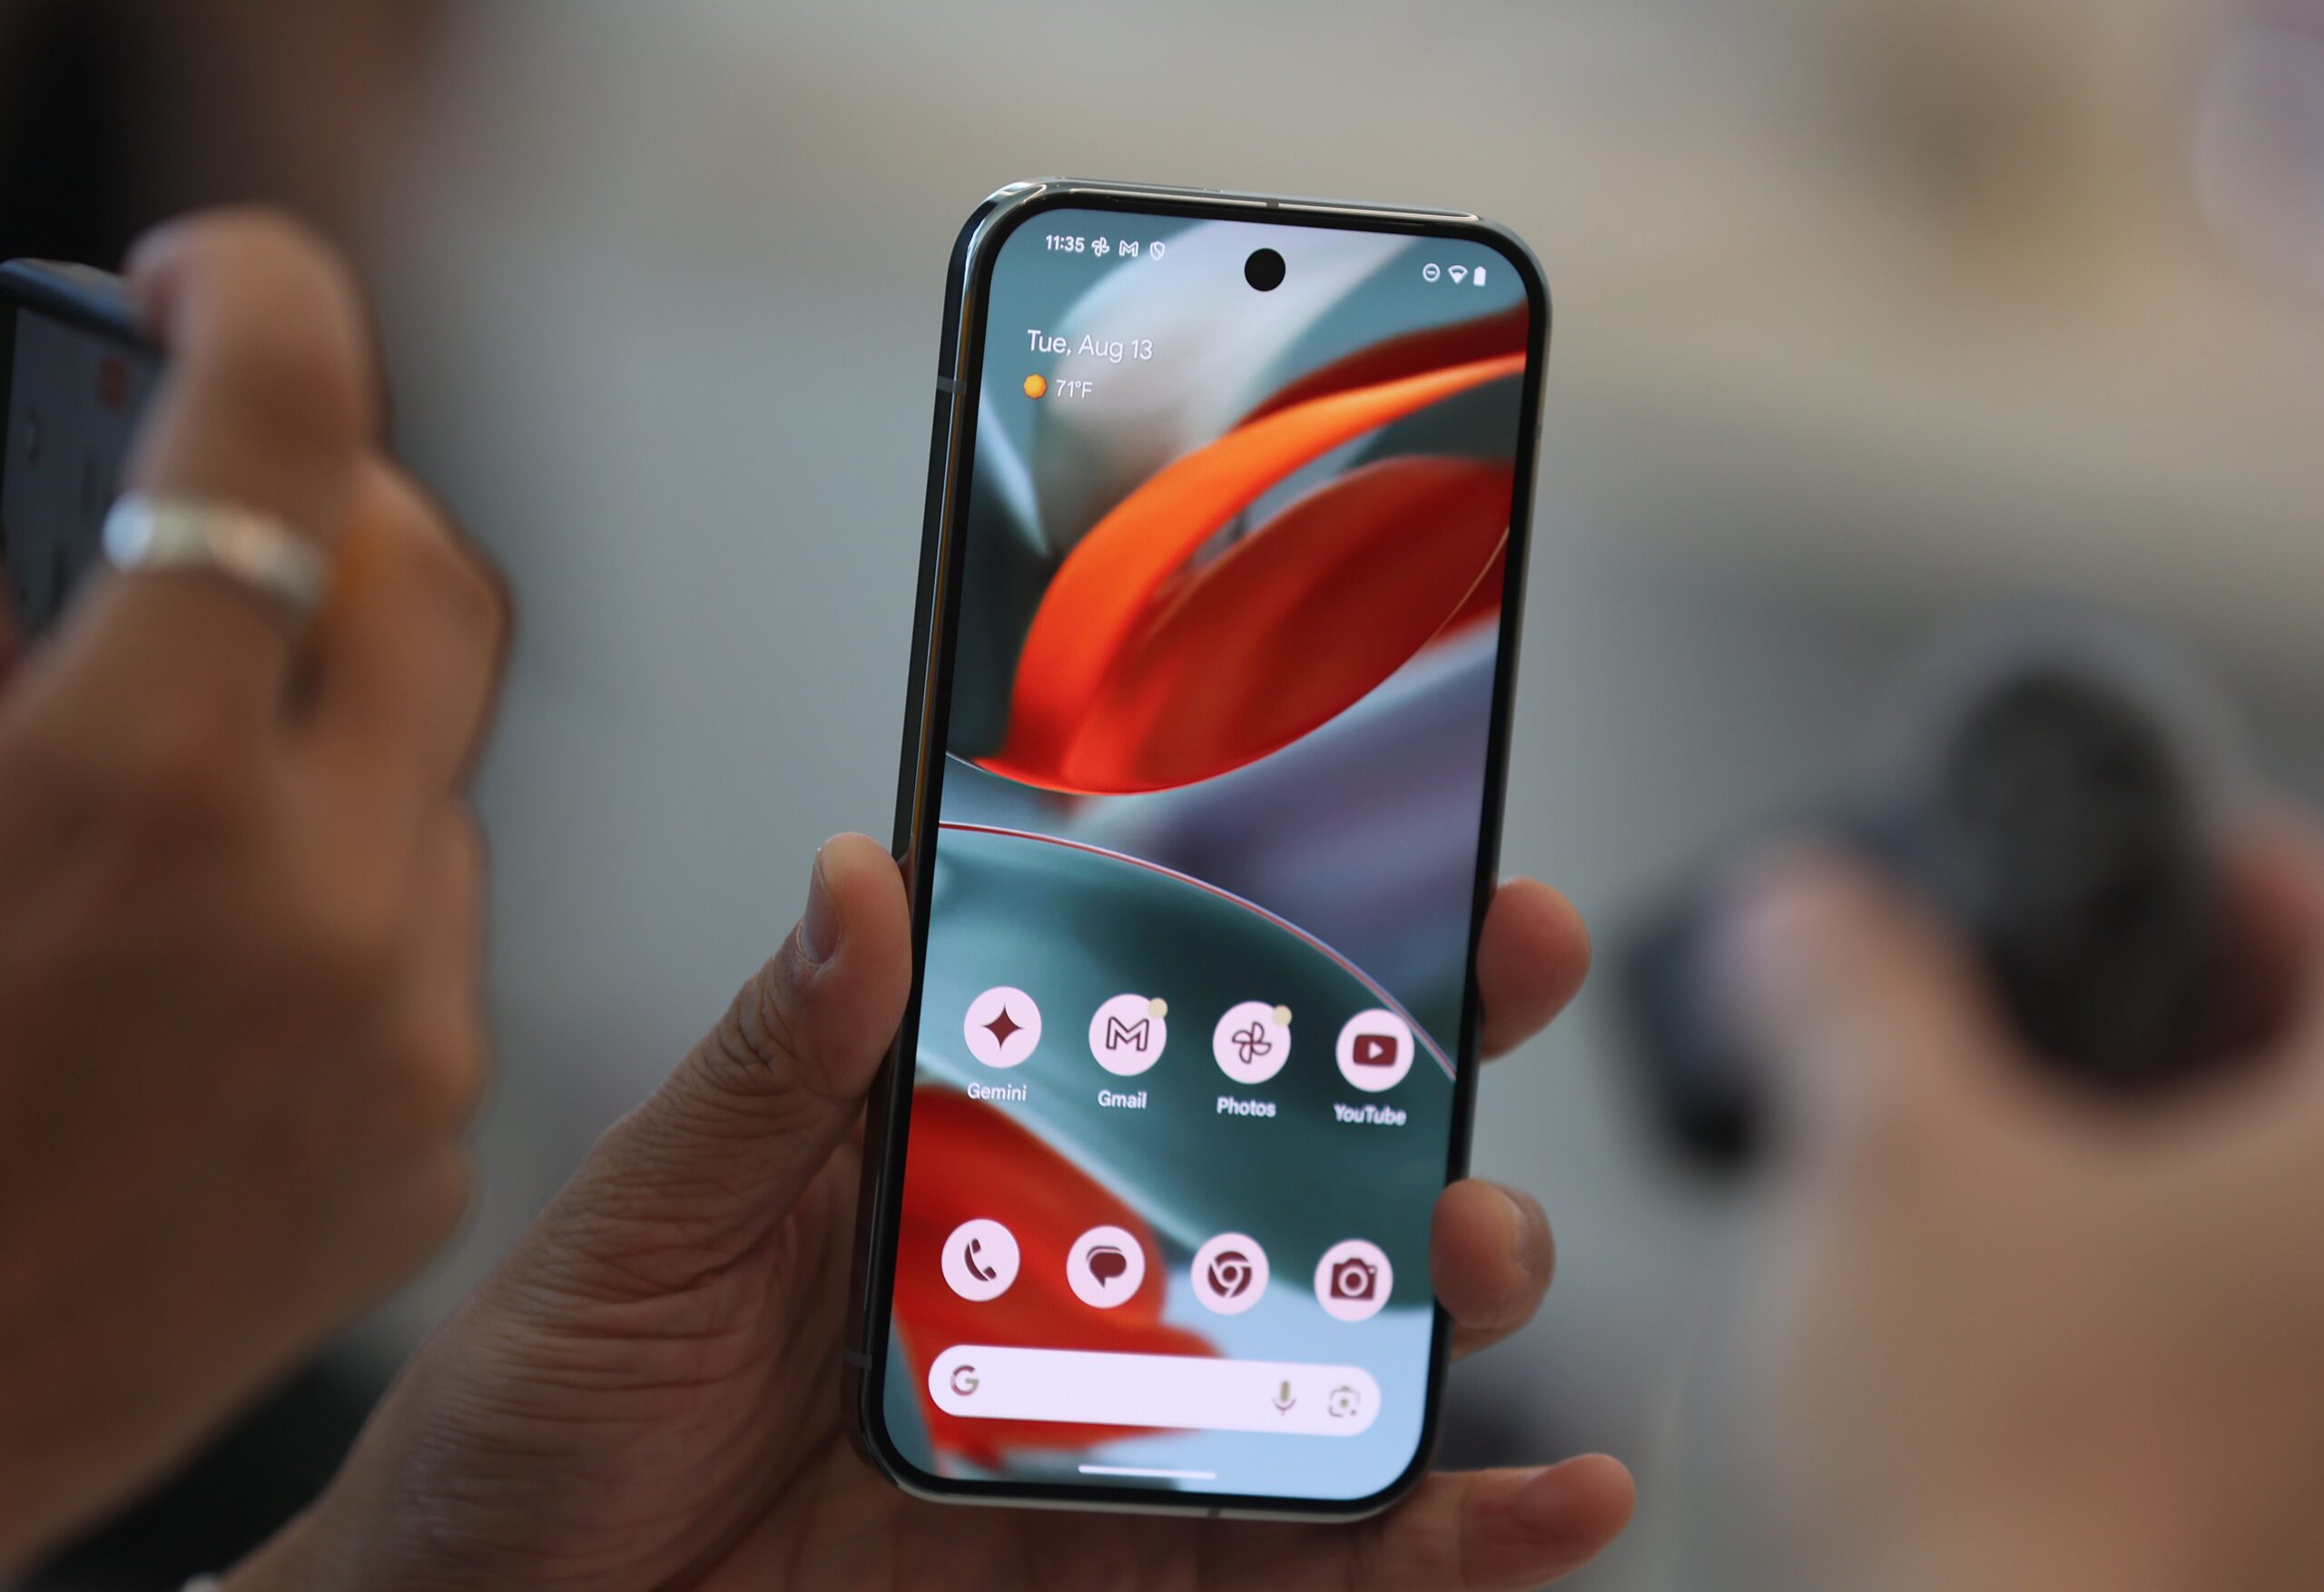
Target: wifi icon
[{"x": 1456, "y": 271}]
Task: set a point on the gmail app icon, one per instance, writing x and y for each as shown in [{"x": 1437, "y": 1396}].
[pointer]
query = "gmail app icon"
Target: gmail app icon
[{"x": 1128, "y": 1034}]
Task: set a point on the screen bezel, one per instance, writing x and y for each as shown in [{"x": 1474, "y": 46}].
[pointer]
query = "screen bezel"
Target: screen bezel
[{"x": 919, "y": 801}]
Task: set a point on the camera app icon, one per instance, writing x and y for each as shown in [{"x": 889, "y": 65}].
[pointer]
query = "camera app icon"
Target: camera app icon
[
  {"x": 1354, "y": 1280},
  {"x": 1230, "y": 1273}
]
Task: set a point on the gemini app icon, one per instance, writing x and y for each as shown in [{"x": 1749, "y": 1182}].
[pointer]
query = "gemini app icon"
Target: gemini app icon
[
  {"x": 1002, "y": 1027},
  {"x": 1128, "y": 1034}
]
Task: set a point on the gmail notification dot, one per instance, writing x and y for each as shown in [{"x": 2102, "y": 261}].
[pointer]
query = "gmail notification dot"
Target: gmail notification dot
[
  {"x": 1375, "y": 1050},
  {"x": 1128, "y": 1034}
]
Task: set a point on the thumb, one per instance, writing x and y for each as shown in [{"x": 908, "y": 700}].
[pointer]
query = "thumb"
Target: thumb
[
  {"x": 718, "y": 1154},
  {"x": 1861, "y": 1010}
]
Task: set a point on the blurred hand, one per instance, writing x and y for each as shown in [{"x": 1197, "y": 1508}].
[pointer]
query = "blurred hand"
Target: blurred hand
[
  {"x": 239, "y": 943},
  {"x": 646, "y": 1394},
  {"x": 2006, "y": 1332}
]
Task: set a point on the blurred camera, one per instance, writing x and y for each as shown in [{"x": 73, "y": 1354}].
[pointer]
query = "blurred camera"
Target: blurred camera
[
  {"x": 1352, "y": 1279},
  {"x": 1264, "y": 271}
]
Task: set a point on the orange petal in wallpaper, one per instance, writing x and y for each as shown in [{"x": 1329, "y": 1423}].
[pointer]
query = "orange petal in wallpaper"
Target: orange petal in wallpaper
[
  {"x": 1137, "y": 674},
  {"x": 1430, "y": 348},
  {"x": 1282, "y": 633},
  {"x": 970, "y": 1160}
]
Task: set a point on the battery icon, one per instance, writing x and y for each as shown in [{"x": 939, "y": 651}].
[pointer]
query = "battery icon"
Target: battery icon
[{"x": 1479, "y": 278}]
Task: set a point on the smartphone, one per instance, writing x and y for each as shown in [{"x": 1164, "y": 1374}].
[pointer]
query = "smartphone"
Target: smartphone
[
  {"x": 1200, "y": 809},
  {"x": 75, "y": 370}
]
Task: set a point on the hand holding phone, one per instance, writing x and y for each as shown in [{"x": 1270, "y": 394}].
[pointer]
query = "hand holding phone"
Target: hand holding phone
[
  {"x": 642, "y": 1395},
  {"x": 239, "y": 949}
]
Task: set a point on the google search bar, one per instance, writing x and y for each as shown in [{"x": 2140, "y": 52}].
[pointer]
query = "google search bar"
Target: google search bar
[{"x": 1180, "y": 1393}]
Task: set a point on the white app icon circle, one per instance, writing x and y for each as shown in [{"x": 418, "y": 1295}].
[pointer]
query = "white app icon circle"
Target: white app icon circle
[
  {"x": 1252, "y": 1041},
  {"x": 1428, "y": 273},
  {"x": 1375, "y": 1050},
  {"x": 1002, "y": 1027},
  {"x": 1128, "y": 1034},
  {"x": 1104, "y": 1267},
  {"x": 1353, "y": 1280},
  {"x": 980, "y": 1260},
  {"x": 1230, "y": 1273}
]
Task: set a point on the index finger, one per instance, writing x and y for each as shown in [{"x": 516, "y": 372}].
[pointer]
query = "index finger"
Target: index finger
[
  {"x": 408, "y": 663},
  {"x": 267, "y": 401},
  {"x": 1532, "y": 959}
]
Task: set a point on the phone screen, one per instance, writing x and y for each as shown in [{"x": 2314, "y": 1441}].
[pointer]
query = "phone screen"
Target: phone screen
[
  {"x": 1224, "y": 682},
  {"x": 74, "y": 396}
]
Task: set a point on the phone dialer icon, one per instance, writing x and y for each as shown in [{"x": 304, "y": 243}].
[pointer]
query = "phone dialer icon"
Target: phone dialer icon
[{"x": 980, "y": 1260}]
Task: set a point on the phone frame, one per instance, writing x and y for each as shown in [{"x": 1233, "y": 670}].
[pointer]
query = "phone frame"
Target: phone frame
[
  {"x": 82, "y": 297},
  {"x": 919, "y": 788}
]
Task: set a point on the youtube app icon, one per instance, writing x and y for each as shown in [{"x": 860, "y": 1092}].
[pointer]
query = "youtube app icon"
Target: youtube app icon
[{"x": 1375, "y": 1050}]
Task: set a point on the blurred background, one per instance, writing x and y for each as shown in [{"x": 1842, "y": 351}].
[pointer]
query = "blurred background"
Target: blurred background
[{"x": 1869, "y": 312}]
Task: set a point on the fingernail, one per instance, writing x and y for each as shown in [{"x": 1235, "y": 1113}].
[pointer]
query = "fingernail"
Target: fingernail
[
  {"x": 1520, "y": 1225},
  {"x": 819, "y": 928},
  {"x": 1539, "y": 1505}
]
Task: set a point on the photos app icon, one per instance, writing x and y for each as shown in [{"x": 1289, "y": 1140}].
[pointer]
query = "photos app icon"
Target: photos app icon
[{"x": 1252, "y": 1041}]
